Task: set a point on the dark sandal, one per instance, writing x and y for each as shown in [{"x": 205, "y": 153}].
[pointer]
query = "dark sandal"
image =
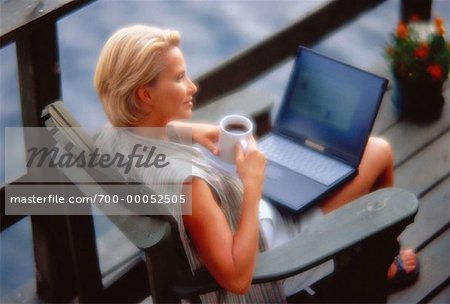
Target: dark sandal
[{"x": 401, "y": 278}]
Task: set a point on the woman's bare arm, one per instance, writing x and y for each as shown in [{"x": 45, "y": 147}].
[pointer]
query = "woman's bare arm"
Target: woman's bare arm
[
  {"x": 229, "y": 257},
  {"x": 201, "y": 133}
]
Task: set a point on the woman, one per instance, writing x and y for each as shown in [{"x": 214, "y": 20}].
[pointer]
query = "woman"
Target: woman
[{"x": 142, "y": 81}]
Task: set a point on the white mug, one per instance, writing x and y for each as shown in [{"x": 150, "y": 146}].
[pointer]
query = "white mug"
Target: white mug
[{"x": 234, "y": 129}]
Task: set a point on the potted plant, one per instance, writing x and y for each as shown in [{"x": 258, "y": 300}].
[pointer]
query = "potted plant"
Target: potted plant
[{"x": 419, "y": 58}]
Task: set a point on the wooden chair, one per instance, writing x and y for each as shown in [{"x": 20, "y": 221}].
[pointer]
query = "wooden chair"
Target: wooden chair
[{"x": 363, "y": 232}]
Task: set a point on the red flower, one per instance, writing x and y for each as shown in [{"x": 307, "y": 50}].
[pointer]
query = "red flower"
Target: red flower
[
  {"x": 438, "y": 21},
  {"x": 402, "y": 30},
  {"x": 439, "y": 24},
  {"x": 435, "y": 71},
  {"x": 421, "y": 52}
]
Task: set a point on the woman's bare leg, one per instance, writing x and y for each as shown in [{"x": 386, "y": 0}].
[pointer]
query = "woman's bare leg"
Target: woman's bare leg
[{"x": 376, "y": 171}]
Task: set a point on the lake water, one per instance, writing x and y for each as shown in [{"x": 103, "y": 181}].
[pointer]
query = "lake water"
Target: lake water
[{"x": 211, "y": 32}]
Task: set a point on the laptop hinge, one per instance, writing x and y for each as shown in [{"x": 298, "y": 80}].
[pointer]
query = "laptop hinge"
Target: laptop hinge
[{"x": 315, "y": 146}]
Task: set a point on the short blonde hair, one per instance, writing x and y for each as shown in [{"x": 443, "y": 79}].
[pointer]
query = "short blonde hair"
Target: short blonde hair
[{"x": 130, "y": 58}]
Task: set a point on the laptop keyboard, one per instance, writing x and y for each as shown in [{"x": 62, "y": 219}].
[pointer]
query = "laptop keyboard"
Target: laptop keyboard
[{"x": 320, "y": 168}]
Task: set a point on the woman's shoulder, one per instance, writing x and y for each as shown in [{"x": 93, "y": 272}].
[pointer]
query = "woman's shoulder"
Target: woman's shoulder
[
  {"x": 107, "y": 138},
  {"x": 156, "y": 158}
]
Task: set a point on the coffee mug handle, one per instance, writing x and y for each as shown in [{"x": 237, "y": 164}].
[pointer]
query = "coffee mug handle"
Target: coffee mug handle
[{"x": 244, "y": 144}]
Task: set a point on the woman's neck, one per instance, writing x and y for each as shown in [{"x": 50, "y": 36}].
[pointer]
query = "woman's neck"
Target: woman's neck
[{"x": 151, "y": 130}]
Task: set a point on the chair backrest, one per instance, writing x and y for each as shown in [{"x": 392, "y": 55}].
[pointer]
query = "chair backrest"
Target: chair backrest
[{"x": 156, "y": 235}]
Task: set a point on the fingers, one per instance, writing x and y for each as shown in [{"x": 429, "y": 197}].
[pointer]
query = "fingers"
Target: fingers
[
  {"x": 210, "y": 145},
  {"x": 239, "y": 153},
  {"x": 206, "y": 135},
  {"x": 251, "y": 148},
  {"x": 251, "y": 141},
  {"x": 240, "y": 149}
]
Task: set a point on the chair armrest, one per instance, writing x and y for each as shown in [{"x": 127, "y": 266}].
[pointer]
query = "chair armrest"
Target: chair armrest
[{"x": 337, "y": 231}]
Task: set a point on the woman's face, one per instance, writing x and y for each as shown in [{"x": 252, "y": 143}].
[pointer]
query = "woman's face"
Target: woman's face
[{"x": 173, "y": 92}]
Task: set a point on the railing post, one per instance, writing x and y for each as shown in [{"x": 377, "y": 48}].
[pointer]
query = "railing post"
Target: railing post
[
  {"x": 40, "y": 84},
  {"x": 415, "y": 8},
  {"x": 39, "y": 75},
  {"x": 64, "y": 246}
]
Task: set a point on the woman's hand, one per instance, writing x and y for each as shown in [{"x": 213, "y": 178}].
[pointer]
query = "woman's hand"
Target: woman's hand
[
  {"x": 251, "y": 165},
  {"x": 206, "y": 135}
]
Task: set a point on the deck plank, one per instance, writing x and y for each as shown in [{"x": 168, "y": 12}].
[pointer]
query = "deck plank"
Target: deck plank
[
  {"x": 386, "y": 115},
  {"x": 430, "y": 165},
  {"x": 433, "y": 215},
  {"x": 435, "y": 270},
  {"x": 407, "y": 138},
  {"x": 246, "y": 102},
  {"x": 443, "y": 296}
]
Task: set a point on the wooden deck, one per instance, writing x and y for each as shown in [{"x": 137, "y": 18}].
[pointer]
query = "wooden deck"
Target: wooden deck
[
  {"x": 422, "y": 166},
  {"x": 422, "y": 162}
]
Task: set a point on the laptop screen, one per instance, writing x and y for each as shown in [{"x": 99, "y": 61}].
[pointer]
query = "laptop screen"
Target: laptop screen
[{"x": 331, "y": 104}]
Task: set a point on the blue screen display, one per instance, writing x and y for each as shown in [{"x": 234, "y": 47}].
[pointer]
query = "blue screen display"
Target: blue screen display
[{"x": 330, "y": 103}]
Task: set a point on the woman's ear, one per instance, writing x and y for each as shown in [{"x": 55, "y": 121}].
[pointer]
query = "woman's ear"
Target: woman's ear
[{"x": 144, "y": 95}]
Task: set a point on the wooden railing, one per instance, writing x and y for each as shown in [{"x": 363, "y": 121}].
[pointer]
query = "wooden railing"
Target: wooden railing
[
  {"x": 33, "y": 29},
  {"x": 260, "y": 58}
]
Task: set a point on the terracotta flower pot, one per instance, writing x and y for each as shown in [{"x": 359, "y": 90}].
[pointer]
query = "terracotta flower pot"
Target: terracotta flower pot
[{"x": 418, "y": 100}]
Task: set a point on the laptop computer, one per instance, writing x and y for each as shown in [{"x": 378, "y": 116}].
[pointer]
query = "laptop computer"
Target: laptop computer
[{"x": 321, "y": 129}]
